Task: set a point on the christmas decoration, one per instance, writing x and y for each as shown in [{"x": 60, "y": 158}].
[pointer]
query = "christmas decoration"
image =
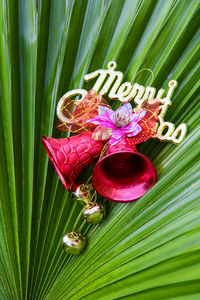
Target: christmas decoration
[
  {"x": 70, "y": 155},
  {"x": 101, "y": 128},
  {"x": 73, "y": 242},
  {"x": 110, "y": 82},
  {"x": 94, "y": 213},
  {"x": 122, "y": 174}
]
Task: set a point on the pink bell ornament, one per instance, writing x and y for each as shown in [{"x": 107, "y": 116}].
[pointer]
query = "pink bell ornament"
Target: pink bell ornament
[
  {"x": 124, "y": 174},
  {"x": 70, "y": 156}
]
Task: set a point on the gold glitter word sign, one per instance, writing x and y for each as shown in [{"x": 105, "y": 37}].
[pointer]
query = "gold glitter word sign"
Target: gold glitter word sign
[{"x": 110, "y": 82}]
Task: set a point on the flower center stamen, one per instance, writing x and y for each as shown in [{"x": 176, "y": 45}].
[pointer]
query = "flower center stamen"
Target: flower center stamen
[{"x": 121, "y": 119}]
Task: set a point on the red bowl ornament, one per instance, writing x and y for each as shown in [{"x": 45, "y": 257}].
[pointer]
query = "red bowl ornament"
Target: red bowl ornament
[{"x": 124, "y": 174}]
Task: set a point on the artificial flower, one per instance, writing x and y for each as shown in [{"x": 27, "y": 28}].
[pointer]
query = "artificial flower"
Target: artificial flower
[{"x": 116, "y": 125}]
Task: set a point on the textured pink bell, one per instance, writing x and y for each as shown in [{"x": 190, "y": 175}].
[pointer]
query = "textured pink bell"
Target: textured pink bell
[
  {"x": 124, "y": 174},
  {"x": 70, "y": 155}
]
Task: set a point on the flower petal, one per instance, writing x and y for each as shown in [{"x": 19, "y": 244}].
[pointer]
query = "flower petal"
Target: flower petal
[
  {"x": 130, "y": 127},
  {"x": 112, "y": 117},
  {"x": 125, "y": 109},
  {"x": 104, "y": 110},
  {"x": 136, "y": 117},
  {"x": 118, "y": 133},
  {"x": 101, "y": 133},
  {"x": 136, "y": 128},
  {"x": 108, "y": 124},
  {"x": 101, "y": 120}
]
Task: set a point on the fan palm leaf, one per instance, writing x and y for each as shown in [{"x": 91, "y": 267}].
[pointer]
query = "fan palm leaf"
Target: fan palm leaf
[{"x": 149, "y": 249}]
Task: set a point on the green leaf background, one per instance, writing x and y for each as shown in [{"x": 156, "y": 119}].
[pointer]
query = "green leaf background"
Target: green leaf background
[{"x": 149, "y": 249}]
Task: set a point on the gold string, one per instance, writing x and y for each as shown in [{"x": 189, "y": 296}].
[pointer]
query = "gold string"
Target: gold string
[{"x": 142, "y": 70}]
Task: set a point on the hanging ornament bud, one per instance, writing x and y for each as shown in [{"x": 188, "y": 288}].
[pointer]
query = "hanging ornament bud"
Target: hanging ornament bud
[
  {"x": 82, "y": 192},
  {"x": 73, "y": 242},
  {"x": 94, "y": 213}
]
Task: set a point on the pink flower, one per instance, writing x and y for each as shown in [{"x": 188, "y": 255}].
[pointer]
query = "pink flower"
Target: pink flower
[{"x": 116, "y": 125}]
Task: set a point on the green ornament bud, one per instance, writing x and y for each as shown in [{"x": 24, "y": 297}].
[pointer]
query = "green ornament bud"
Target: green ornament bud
[
  {"x": 73, "y": 242},
  {"x": 94, "y": 214}
]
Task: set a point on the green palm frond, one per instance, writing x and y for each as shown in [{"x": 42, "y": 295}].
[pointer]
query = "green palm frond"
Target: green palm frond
[{"x": 149, "y": 249}]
